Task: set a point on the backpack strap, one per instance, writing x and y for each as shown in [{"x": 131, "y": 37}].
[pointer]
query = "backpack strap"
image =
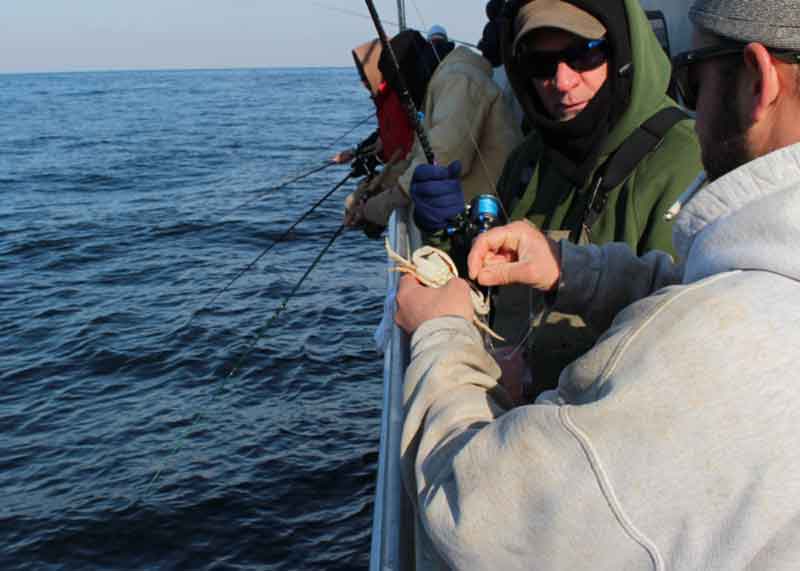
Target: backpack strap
[{"x": 627, "y": 157}]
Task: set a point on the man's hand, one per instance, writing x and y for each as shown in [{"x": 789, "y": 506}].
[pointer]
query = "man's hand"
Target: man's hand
[
  {"x": 343, "y": 157},
  {"x": 437, "y": 195},
  {"x": 518, "y": 253},
  {"x": 417, "y": 303}
]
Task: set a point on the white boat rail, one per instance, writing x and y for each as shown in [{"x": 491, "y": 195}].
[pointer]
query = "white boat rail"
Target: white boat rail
[{"x": 393, "y": 520}]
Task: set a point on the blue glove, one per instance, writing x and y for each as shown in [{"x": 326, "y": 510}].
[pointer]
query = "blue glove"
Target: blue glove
[{"x": 437, "y": 195}]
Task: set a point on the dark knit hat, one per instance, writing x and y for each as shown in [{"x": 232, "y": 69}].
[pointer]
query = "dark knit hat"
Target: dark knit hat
[{"x": 774, "y": 23}]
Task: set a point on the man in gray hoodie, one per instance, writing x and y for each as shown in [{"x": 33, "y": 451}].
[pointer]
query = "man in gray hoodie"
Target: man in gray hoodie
[{"x": 673, "y": 443}]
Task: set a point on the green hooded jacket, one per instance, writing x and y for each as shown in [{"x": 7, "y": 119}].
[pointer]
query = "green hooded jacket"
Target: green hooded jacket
[{"x": 635, "y": 209}]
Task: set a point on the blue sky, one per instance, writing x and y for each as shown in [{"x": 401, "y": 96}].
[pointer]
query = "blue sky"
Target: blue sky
[{"x": 71, "y": 35}]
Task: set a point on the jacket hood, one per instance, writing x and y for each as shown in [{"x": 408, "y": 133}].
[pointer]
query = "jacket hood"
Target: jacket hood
[
  {"x": 418, "y": 60},
  {"x": 639, "y": 69},
  {"x": 366, "y": 57},
  {"x": 748, "y": 219}
]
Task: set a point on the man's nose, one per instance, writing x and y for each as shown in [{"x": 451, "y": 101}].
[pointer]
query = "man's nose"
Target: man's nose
[{"x": 566, "y": 78}]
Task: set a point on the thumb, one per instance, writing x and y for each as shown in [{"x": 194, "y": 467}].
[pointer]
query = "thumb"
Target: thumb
[{"x": 454, "y": 170}]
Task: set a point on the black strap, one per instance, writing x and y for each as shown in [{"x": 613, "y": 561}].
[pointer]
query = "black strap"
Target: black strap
[{"x": 625, "y": 160}]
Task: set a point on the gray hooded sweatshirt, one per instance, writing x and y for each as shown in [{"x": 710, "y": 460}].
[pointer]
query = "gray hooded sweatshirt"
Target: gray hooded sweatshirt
[{"x": 673, "y": 444}]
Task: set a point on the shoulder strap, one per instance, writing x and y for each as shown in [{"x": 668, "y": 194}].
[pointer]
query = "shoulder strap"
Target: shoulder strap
[
  {"x": 624, "y": 161},
  {"x": 516, "y": 175}
]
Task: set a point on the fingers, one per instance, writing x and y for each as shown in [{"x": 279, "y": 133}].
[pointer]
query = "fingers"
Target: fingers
[
  {"x": 517, "y": 253},
  {"x": 454, "y": 170},
  {"x": 503, "y": 274},
  {"x": 417, "y": 304},
  {"x": 498, "y": 245},
  {"x": 425, "y": 172}
]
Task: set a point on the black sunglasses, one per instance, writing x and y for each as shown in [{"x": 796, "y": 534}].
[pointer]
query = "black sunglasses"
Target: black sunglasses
[
  {"x": 684, "y": 67},
  {"x": 582, "y": 56}
]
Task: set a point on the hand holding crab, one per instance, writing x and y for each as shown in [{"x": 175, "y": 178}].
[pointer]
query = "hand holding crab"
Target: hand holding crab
[{"x": 435, "y": 269}]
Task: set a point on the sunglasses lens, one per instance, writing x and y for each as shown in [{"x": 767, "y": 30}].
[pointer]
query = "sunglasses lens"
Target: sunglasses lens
[
  {"x": 590, "y": 58},
  {"x": 542, "y": 67},
  {"x": 582, "y": 57}
]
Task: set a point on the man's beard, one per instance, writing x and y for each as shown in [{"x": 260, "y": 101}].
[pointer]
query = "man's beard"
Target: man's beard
[{"x": 727, "y": 147}]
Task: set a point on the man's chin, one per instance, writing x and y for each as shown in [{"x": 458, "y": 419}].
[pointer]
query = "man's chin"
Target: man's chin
[
  {"x": 568, "y": 113},
  {"x": 725, "y": 155}
]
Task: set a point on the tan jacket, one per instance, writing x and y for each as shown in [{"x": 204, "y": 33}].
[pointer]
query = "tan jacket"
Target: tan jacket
[{"x": 467, "y": 119}]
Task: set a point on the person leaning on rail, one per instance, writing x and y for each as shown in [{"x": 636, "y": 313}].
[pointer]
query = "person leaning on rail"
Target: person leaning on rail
[
  {"x": 465, "y": 117},
  {"x": 389, "y": 145},
  {"x": 607, "y": 154},
  {"x": 672, "y": 444}
]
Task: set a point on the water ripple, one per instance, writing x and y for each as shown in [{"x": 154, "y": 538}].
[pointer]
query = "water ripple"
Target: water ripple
[{"x": 136, "y": 434}]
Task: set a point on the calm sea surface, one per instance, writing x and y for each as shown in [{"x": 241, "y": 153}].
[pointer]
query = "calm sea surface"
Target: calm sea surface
[{"x": 124, "y": 441}]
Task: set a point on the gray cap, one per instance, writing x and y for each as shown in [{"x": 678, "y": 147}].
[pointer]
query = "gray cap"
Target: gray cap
[{"x": 774, "y": 23}]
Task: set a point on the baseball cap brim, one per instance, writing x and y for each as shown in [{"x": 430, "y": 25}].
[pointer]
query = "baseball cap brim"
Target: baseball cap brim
[{"x": 556, "y": 14}]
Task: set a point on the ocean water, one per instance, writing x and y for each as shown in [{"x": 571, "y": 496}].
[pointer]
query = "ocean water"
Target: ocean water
[{"x": 129, "y": 199}]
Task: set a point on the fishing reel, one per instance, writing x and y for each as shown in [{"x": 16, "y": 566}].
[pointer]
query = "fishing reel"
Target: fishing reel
[{"x": 483, "y": 213}]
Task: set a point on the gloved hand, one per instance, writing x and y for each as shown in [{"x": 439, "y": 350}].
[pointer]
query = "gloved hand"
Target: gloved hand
[{"x": 437, "y": 195}]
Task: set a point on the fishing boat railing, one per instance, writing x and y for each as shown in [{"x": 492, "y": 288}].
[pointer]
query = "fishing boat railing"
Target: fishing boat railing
[{"x": 393, "y": 519}]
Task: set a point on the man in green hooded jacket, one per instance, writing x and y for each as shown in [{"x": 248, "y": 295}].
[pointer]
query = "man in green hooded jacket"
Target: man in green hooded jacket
[{"x": 590, "y": 76}]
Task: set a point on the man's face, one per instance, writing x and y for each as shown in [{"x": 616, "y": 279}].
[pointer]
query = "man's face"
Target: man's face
[
  {"x": 720, "y": 123},
  {"x": 568, "y": 91}
]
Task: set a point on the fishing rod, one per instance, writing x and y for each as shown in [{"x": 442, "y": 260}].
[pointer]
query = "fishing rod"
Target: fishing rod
[
  {"x": 319, "y": 168},
  {"x": 405, "y": 95},
  {"x": 326, "y": 165},
  {"x": 266, "y": 251},
  {"x": 356, "y": 126},
  {"x": 248, "y": 351},
  {"x": 284, "y": 304}
]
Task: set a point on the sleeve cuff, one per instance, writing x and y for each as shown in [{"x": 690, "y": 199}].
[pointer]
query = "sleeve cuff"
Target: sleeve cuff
[{"x": 580, "y": 271}]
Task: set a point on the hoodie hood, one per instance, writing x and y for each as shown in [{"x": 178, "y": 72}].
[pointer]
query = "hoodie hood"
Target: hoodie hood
[
  {"x": 366, "y": 57},
  {"x": 639, "y": 74},
  {"x": 748, "y": 219},
  {"x": 418, "y": 60}
]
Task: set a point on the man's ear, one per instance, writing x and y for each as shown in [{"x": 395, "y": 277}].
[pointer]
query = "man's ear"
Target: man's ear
[{"x": 763, "y": 82}]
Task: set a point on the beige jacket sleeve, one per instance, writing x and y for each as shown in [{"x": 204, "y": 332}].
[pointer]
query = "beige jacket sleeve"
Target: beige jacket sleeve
[{"x": 495, "y": 487}]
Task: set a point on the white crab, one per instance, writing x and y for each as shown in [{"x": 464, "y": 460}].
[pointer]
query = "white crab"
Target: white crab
[{"x": 434, "y": 268}]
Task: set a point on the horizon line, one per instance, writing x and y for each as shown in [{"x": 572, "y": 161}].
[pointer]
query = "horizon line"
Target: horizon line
[{"x": 169, "y": 68}]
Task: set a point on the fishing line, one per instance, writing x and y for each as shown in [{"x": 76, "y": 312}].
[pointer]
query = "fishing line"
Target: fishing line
[
  {"x": 389, "y": 22},
  {"x": 352, "y": 13},
  {"x": 248, "y": 351},
  {"x": 266, "y": 251}
]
